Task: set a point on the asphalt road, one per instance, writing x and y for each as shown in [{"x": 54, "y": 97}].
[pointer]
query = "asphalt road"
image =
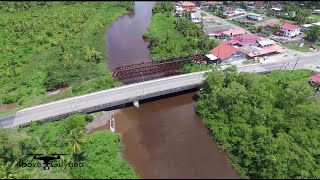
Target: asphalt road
[
  {"x": 306, "y": 61},
  {"x": 7, "y": 122}
]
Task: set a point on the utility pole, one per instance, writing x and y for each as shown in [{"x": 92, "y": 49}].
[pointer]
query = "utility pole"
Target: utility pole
[
  {"x": 295, "y": 64},
  {"x": 143, "y": 81}
]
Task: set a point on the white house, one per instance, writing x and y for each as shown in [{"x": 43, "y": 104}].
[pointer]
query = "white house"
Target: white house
[
  {"x": 305, "y": 27},
  {"x": 317, "y": 11},
  {"x": 196, "y": 17},
  {"x": 290, "y": 30},
  {"x": 256, "y": 17},
  {"x": 179, "y": 11}
]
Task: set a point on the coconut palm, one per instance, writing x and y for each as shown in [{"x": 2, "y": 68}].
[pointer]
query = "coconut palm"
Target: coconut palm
[{"x": 75, "y": 140}]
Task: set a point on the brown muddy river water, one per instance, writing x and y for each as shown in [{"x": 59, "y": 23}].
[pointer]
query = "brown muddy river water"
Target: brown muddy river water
[{"x": 163, "y": 138}]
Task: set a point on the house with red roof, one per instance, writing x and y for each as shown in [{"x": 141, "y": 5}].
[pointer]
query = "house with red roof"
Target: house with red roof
[
  {"x": 189, "y": 6},
  {"x": 259, "y": 4},
  {"x": 289, "y": 30},
  {"x": 226, "y": 53},
  {"x": 315, "y": 79},
  {"x": 233, "y": 32},
  {"x": 242, "y": 40}
]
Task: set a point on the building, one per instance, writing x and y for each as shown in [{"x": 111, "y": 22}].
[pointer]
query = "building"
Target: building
[
  {"x": 188, "y": 6},
  {"x": 259, "y": 5},
  {"x": 233, "y": 33},
  {"x": 305, "y": 27},
  {"x": 316, "y": 11},
  {"x": 276, "y": 11},
  {"x": 267, "y": 50},
  {"x": 207, "y": 19},
  {"x": 255, "y": 17},
  {"x": 315, "y": 79},
  {"x": 263, "y": 42},
  {"x": 317, "y": 23},
  {"x": 289, "y": 30},
  {"x": 226, "y": 54},
  {"x": 243, "y": 40},
  {"x": 196, "y": 17},
  {"x": 179, "y": 11},
  {"x": 214, "y": 30}
]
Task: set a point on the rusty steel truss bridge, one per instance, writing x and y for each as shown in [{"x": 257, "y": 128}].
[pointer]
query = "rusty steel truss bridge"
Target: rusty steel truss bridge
[{"x": 169, "y": 66}]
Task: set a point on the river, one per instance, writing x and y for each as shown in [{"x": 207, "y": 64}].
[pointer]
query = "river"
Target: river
[{"x": 164, "y": 137}]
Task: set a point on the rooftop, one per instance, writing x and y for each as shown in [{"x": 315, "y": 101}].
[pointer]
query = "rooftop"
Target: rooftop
[
  {"x": 254, "y": 14},
  {"x": 188, "y": 4},
  {"x": 207, "y": 17},
  {"x": 318, "y": 23},
  {"x": 234, "y": 32},
  {"x": 216, "y": 29},
  {"x": 248, "y": 36},
  {"x": 264, "y": 42},
  {"x": 315, "y": 78},
  {"x": 196, "y": 15},
  {"x": 211, "y": 57},
  {"x": 276, "y": 9},
  {"x": 265, "y": 50},
  {"x": 223, "y": 51},
  {"x": 288, "y": 26}
]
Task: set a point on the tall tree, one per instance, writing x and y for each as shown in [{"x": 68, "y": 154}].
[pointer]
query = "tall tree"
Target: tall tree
[{"x": 75, "y": 140}]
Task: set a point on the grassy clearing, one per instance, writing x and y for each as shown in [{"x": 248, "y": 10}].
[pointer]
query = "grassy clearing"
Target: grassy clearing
[
  {"x": 305, "y": 48},
  {"x": 315, "y": 17}
]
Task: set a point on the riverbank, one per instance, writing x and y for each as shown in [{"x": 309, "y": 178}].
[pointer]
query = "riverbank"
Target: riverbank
[
  {"x": 247, "y": 112},
  {"x": 171, "y": 36},
  {"x": 100, "y": 121},
  {"x": 62, "y": 40},
  {"x": 99, "y": 152}
]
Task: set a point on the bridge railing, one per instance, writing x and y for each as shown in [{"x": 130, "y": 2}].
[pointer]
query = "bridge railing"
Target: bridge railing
[{"x": 109, "y": 98}]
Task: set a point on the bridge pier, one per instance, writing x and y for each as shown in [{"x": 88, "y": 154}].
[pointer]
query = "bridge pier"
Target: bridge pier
[{"x": 136, "y": 103}]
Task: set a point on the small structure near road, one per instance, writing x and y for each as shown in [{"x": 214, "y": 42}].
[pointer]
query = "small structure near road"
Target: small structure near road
[
  {"x": 196, "y": 17},
  {"x": 255, "y": 17},
  {"x": 315, "y": 79}
]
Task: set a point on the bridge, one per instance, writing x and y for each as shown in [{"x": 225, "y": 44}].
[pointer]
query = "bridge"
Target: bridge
[
  {"x": 109, "y": 98},
  {"x": 132, "y": 94},
  {"x": 168, "y": 66}
]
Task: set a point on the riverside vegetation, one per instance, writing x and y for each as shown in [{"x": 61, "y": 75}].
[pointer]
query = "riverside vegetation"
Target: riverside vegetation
[
  {"x": 170, "y": 36},
  {"x": 50, "y": 45},
  {"x": 268, "y": 124},
  {"x": 100, "y": 152},
  {"x": 46, "y": 46}
]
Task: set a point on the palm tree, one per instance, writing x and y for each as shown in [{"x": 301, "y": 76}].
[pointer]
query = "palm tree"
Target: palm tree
[
  {"x": 10, "y": 170},
  {"x": 75, "y": 140}
]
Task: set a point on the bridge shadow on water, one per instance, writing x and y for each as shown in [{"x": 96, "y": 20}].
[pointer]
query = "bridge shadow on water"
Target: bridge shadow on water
[{"x": 144, "y": 101}]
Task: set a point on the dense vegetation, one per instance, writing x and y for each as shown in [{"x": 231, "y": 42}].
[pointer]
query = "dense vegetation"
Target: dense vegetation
[
  {"x": 268, "y": 124},
  {"x": 49, "y": 45},
  {"x": 99, "y": 152},
  {"x": 313, "y": 34},
  {"x": 170, "y": 36}
]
